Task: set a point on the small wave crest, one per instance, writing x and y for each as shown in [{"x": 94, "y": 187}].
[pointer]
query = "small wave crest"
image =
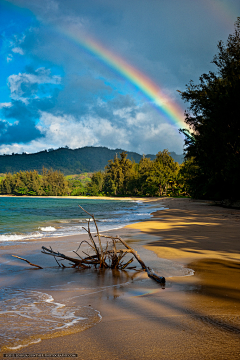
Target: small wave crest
[
  {"x": 16, "y": 237},
  {"x": 47, "y": 228}
]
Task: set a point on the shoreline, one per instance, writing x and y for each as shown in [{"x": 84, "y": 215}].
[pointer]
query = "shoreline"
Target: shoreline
[
  {"x": 132, "y": 198},
  {"x": 194, "y": 317}
]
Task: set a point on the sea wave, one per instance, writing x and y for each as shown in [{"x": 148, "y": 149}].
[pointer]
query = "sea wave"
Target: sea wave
[
  {"x": 29, "y": 316},
  {"x": 47, "y": 228},
  {"x": 17, "y": 237}
]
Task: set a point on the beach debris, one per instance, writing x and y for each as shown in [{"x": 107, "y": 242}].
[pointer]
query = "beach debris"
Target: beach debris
[
  {"x": 37, "y": 266},
  {"x": 102, "y": 256}
]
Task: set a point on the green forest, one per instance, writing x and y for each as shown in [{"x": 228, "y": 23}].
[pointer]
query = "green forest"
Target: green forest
[
  {"x": 121, "y": 177},
  {"x": 31, "y": 183}
]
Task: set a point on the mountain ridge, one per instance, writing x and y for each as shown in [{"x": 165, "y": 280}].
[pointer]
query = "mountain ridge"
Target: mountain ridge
[{"x": 69, "y": 161}]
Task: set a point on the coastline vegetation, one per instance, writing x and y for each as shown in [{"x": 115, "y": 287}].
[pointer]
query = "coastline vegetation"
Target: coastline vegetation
[
  {"x": 31, "y": 183},
  {"x": 121, "y": 177}
]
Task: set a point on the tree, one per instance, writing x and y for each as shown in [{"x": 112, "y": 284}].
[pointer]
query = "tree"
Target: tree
[
  {"x": 213, "y": 141},
  {"x": 166, "y": 169},
  {"x": 95, "y": 186},
  {"x": 144, "y": 169},
  {"x": 117, "y": 175},
  {"x": 6, "y": 185},
  {"x": 54, "y": 183}
]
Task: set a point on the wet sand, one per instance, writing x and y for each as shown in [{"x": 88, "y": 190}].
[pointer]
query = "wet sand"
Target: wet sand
[{"x": 194, "y": 317}]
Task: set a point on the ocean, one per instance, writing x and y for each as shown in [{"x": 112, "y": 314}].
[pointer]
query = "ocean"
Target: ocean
[{"x": 23, "y": 218}]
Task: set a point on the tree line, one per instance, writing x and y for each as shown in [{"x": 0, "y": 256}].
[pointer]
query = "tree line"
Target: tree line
[
  {"x": 31, "y": 183},
  {"x": 121, "y": 177}
]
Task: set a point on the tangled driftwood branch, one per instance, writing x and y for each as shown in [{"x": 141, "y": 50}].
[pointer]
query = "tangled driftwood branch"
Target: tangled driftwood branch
[
  {"x": 103, "y": 257},
  {"x": 149, "y": 271}
]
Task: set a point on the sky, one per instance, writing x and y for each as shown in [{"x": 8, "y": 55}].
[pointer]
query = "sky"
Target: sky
[{"x": 103, "y": 72}]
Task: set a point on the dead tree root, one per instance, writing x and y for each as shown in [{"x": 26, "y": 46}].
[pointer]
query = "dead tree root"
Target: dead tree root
[{"x": 100, "y": 257}]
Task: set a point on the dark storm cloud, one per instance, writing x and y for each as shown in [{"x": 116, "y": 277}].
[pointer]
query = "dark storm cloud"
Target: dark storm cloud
[
  {"x": 79, "y": 93},
  {"x": 159, "y": 31},
  {"x": 148, "y": 34}
]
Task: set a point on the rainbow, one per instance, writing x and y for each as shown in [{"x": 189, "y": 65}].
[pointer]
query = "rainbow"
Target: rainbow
[{"x": 173, "y": 112}]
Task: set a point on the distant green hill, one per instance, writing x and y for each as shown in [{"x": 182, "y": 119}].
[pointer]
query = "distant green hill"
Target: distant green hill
[{"x": 68, "y": 161}]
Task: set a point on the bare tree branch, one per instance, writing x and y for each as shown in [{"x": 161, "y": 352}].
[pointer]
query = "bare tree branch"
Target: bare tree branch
[{"x": 37, "y": 266}]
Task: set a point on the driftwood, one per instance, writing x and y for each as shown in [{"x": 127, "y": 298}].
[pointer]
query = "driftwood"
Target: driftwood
[
  {"x": 149, "y": 271},
  {"x": 102, "y": 257},
  {"x": 37, "y": 266}
]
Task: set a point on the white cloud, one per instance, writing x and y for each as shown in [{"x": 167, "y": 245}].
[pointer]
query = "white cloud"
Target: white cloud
[
  {"x": 145, "y": 133},
  {"x": 89, "y": 131},
  {"x": 23, "y": 85},
  {"x": 18, "y": 50},
  {"x": 9, "y": 58},
  {"x": 5, "y": 105},
  {"x": 14, "y": 46}
]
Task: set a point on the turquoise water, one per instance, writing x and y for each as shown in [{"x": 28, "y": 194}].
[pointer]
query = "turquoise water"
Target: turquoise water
[{"x": 26, "y": 218}]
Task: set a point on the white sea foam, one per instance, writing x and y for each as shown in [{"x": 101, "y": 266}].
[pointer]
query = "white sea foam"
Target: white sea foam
[
  {"x": 47, "y": 229},
  {"x": 21, "y": 346},
  {"x": 17, "y": 237},
  {"x": 11, "y": 237}
]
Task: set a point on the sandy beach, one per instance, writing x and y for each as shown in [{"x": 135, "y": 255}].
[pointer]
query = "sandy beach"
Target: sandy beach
[{"x": 192, "y": 317}]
